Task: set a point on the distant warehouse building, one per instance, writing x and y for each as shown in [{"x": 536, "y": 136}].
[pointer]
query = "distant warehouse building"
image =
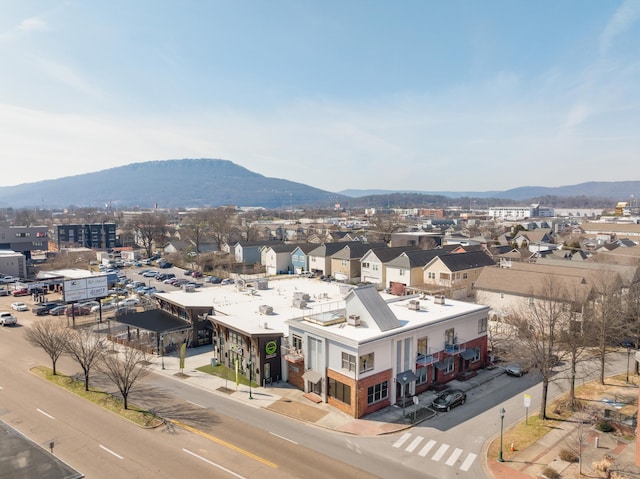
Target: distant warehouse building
[{"x": 24, "y": 239}]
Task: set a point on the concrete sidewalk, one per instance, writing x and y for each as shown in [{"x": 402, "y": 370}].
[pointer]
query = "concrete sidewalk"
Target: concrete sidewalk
[
  {"x": 283, "y": 398},
  {"x": 289, "y": 401}
]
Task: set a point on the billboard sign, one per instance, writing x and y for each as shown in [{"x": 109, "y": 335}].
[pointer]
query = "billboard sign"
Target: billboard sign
[{"x": 85, "y": 288}]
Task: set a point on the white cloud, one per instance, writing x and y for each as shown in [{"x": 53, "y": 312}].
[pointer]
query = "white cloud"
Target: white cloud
[
  {"x": 619, "y": 23},
  {"x": 32, "y": 24}
]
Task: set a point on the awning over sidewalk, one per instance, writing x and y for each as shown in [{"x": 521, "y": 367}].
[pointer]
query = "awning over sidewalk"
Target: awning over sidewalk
[
  {"x": 312, "y": 376},
  {"x": 154, "y": 320}
]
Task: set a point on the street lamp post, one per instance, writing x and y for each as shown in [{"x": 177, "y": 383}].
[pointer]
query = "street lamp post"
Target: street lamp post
[
  {"x": 162, "y": 350},
  {"x": 628, "y": 355},
  {"x": 502, "y": 411},
  {"x": 250, "y": 376}
]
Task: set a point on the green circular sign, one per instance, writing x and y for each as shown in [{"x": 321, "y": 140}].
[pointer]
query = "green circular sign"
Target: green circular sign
[{"x": 271, "y": 347}]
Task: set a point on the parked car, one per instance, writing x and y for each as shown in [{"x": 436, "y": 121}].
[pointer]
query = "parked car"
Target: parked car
[
  {"x": 150, "y": 274},
  {"x": 227, "y": 281},
  {"x": 58, "y": 310},
  {"x": 212, "y": 279},
  {"x": 43, "y": 308},
  {"x": 128, "y": 303},
  {"x": 8, "y": 279},
  {"x": 515, "y": 369},
  {"x": 188, "y": 272},
  {"x": 448, "y": 399},
  {"x": 196, "y": 274},
  {"x": 105, "y": 307},
  {"x": 19, "y": 306},
  {"x": 165, "y": 265},
  {"x": 77, "y": 310},
  {"x": 8, "y": 319},
  {"x": 20, "y": 292}
]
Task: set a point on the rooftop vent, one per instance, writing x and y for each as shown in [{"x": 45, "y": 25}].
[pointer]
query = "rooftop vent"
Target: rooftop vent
[
  {"x": 265, "y": 309},
  {"x": 262, "y": 284},
  {"x": 299, "y": 303},
  {"x": 439, "y": 299},
  {"x": 353, "y": 320},
  {"x": 299, "y": 295},
  {"x": 414, "y": 304}
]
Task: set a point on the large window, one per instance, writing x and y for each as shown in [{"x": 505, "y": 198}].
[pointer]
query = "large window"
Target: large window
[
  {"x": 423, "y": 347},
  {"x": 340, "y": 391},
  {"x": 482, "y": 325},
  {"x": 378, "y": 392},
  {"x": 348, "y": 362},
  {"x": 421, "y": 375},
  {"x": 296, "y": 342},
  {"x": 366, "y": 362}
]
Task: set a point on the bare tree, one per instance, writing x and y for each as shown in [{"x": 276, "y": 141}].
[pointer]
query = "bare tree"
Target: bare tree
[
  {"x": 221, "y": 221},
  {"x": 196, "y": 229},
  {"x": 51, "y": 336},
  {"x": 125, "y": 369},
  {"x": 577, "y": 440},
  {"x": 247, "y": 226},
  {"x": 606, "y": 318},
  {"x": 149, "y": 228},
  {"x": 384, "y": 225},
  {"x": 538, "y": 323},
  {"x": 632, "y": 323},
  {"x": 86, "y": 348}
]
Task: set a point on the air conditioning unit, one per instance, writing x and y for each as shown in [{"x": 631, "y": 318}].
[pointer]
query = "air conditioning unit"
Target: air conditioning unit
[
  {"x": 353, "y": 320},
  {"x": 299, "y": 295},
  {"x": 299, "y": 303},
  {"x": 439, "y": 299},
  {"x": 414, "y": 304},
  {"x": 189, "y": 288},
  {"x": 265, "y": 309}
]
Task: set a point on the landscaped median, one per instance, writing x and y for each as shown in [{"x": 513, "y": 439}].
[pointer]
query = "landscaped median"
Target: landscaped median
[{"x": 105, "y": 400}]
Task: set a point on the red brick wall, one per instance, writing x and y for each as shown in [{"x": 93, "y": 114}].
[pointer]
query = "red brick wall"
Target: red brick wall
[
  {"x": 363, "y": 386},
  {"x": 295, "y": 370},
  {"x": 347, "y": 408}
]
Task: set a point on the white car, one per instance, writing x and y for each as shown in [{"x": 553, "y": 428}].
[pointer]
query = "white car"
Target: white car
[
  {"x": 7, "y": 319},
  {"x": 19, "y": 306},
  {"x": 129, "y": 303},
  {"x": 105, "y": 307}
]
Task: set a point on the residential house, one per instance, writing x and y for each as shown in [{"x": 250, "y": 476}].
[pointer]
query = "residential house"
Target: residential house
[
  {"x": 345, "y": 263},
  {"x": 249, "y": 252},
  {"x": 421, "y": 239},
  {"x": 406, "y": 270},
  {"x": 373, "y": 263},
  {"x": 454, "y": 274},
  {"x": 320, "y": 257},
  {"x": 300, "y": 258},
  {"x": 277, "y": 258}
]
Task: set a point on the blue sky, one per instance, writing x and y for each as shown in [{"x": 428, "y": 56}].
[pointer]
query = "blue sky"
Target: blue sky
[{"x": 402, "y": 95}]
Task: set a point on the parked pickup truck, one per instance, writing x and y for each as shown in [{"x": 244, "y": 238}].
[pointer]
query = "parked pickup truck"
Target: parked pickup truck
[
  {"x": 8, "y": 279},
  {"x": 7, "y": 319}
]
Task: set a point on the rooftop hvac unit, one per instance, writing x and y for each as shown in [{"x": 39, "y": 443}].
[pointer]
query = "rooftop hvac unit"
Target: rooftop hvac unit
[
  {"x": 414, "y": 304},
  {"x": 265, "y": 309},
  {"x": 189, "y": 288},
  {"x": 299, "y": 303},
  {"x": 299, "y": 295},
  {"x": 353, "y": 320},
  {"x": 439, "y": 299},
  {"x": 262, "y": 284}
]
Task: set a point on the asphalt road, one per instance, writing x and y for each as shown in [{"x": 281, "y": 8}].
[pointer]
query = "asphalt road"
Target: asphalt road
[{"x": 101, "y": 444}]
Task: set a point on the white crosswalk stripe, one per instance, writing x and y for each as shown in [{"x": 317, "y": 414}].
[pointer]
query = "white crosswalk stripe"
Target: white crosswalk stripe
[
  {"x": 425, "y": 450},
  {"x": 453, "y": 457},
  {"x": 468, "y": 461},
  {"x": 412, "y": 444},
  {"x": 440, "y": 452},
  {"x": 402, "y": 439}
]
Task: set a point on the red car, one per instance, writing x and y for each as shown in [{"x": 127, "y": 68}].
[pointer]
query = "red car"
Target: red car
[{"x": 20, "y": 292}]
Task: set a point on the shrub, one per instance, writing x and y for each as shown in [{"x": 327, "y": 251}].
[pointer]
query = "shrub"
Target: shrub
[
  {"x": 604, "y": 426},
  {"x": 550, "y": 473},
  {"x": 568, "y": 455}
]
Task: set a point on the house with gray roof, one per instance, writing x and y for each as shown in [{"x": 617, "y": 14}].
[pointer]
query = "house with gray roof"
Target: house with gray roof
[
  {"x": 406, "y": 270},
  {"x": 320, "y": 257},
  {"x": 345, "y": 263},
  {"x": 454, "y": 274},
  {"x": 373, "y": 264}
]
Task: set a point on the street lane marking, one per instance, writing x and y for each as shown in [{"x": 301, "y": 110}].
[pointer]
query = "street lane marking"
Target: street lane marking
[
  {"x": 283, "y": 438},
  {"x": 224, "y": 443},
  {"x": 111, "y": 452},
  {"x": 440, "y": 452},
  {"x": 414, "y": 444},
  {"x": 213, "y": 464},
  {"x": 468, "y": 461},
  {"x": 45, "y": 414},
  {"x": 423, "y": 452},
  {"x": 453, "y": 457},
  {"x": 196, "y": 404},
  {"x": 402, "y": 439}
]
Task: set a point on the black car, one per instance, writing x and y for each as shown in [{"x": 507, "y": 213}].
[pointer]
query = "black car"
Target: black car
[
  {"x": 43, "y": 308},
  {"x": 448, "y": 399},
  {"x": 165, "y": 265}
]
